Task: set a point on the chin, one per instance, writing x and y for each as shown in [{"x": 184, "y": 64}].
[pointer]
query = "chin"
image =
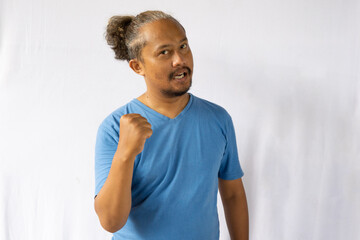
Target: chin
[
  {"x": 171, "y": 93},
  {"x": 178, "y": 93},
  {"x": 174, "y": 93}
]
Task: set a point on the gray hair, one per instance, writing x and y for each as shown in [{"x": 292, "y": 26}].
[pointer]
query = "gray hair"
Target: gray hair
[{"x": 122, "y": 33}]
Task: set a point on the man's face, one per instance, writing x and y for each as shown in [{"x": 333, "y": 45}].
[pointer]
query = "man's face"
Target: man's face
[{"x": 167, "y": 62}]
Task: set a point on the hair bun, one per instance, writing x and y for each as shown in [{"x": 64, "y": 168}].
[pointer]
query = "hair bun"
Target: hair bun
[
  {"x": 123, "y": 33},
  {"x": 115, "y": 35}
]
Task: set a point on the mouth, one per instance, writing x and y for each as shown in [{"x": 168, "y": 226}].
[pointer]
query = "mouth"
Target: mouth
[{"x": 181, "y": 74}]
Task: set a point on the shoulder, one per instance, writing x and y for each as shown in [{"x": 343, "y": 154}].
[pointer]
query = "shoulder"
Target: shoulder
[
  {"x": 111, "y": 122},
  {"x": 211, "y": 109}
]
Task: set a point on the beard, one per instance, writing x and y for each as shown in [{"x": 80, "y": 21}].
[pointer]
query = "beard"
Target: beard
[{"x": 177, "y": 93}]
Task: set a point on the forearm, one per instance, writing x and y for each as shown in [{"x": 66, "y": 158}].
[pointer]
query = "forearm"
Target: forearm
[
  {"x": 113, "y": 202},
  {"x": 237, "y": 217}
]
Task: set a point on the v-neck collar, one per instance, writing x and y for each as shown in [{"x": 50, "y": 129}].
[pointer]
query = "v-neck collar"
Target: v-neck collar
[{"x": 159, "y": 115}]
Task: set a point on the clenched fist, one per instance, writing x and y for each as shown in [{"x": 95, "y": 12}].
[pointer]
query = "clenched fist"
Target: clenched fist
[{"x": 134, "y": 130}]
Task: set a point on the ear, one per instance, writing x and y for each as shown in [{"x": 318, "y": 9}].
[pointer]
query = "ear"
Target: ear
[{"x": 137, "y": 66}]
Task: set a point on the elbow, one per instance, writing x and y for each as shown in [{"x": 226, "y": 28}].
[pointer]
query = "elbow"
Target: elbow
[
  {"x": 111, "y": 226},
  {"x": 110, "y": 222}
]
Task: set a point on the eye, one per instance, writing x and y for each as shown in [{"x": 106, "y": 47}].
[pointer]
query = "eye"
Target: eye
[
  {"x": 164, "y": 52},
  {"x": 184, "y": 45}
]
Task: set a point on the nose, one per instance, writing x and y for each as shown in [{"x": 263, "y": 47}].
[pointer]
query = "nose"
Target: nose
[{"x": 178, "y": 59}]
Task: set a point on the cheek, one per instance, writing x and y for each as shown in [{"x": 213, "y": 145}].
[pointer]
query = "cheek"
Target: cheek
[
  {"x": 158, "y": 70},
  {"x": 160, "y": 73},
  {"x": 190, "y": 59}
]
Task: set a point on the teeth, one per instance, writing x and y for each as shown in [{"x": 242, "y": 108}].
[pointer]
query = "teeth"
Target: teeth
[{"x": 180, "y": 76}]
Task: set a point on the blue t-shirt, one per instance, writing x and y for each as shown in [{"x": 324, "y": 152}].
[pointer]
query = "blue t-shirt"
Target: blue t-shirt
[{"x": 175, "y": 178}]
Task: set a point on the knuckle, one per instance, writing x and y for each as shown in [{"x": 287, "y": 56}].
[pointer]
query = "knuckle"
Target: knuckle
[
  {"x": 133, "y": 121},
  {"x": 125, "y": 117}
]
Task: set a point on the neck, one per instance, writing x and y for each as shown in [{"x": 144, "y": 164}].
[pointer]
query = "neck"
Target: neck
[{"x": 167, "y": 106}]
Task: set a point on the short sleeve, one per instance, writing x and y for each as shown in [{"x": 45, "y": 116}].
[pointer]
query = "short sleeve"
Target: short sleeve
[
  {"x": 105, "y": 148},
  {"x": 230, "y": 168}
]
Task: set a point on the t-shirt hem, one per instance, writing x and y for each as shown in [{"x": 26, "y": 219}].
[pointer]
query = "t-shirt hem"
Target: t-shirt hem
[{"x": 232, "y": 176}]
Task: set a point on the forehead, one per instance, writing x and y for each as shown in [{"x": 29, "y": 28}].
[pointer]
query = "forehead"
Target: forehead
[{"x": 160, "y": 32}]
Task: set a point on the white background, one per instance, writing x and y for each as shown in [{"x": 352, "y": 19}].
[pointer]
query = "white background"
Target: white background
[{"x": 288, "y": 72}]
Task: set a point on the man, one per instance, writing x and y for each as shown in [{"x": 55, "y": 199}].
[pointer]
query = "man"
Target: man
[{"x": 160, "y": 159}]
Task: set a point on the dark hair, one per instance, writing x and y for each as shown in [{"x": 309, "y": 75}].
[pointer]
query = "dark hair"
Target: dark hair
[{"x": 122, "y": 33}]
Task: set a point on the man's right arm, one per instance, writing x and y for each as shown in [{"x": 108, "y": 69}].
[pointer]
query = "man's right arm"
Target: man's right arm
[{"x": 113, "y": 202}]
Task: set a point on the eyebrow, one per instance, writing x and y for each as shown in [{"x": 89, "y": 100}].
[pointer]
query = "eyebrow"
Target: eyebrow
[{"x": 168, "y": 45}]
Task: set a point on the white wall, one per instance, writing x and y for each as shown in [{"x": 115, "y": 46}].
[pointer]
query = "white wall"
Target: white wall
[{"x": 287, "y": 71}]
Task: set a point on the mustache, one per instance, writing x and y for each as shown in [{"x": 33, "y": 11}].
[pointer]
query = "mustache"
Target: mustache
[{"x": 171, "y": 75}]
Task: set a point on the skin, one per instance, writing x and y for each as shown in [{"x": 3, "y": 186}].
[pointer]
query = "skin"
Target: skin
[
  {"x": 113, "y": 202},
  {"x": 166, "y": 53},
  {"x": 158, "y": 62},
  {"x": 234, "y": 201}
]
